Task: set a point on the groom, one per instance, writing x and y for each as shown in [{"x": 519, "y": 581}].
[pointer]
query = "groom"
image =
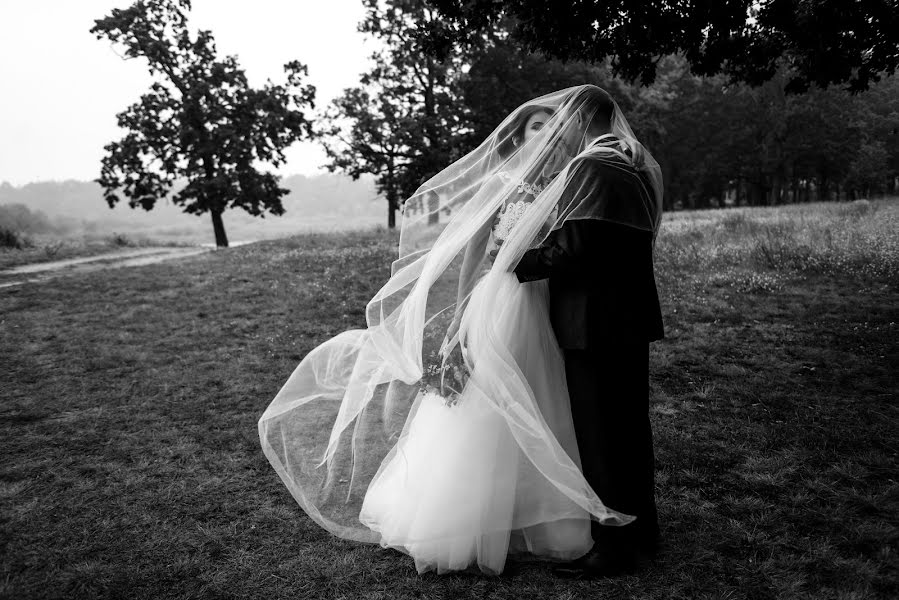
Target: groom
[{"x": 604, "y": 309}]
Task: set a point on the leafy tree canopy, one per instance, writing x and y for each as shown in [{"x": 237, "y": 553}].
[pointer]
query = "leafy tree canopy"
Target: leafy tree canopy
[
  {"x": 401, "y": 123},
  {"x": 200, "y": 121},
  {"x": 822, "y": 42},
  {"x": 719, "y": 141}
]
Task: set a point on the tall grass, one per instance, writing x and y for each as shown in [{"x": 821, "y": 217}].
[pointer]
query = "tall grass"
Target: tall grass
[{"x": 756, "y": 248}]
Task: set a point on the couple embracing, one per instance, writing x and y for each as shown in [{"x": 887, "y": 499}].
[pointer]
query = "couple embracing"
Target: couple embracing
[{"x": 529, "y": 267}]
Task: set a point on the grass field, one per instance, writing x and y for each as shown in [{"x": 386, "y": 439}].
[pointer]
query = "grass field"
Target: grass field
[
  {"x": 131, "y": 466},
  {"x": 105, "y": 238}
]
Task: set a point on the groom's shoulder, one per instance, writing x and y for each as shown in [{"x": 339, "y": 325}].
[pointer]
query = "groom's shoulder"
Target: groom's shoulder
[
  {"x": 597, "y": 162},
  {"x": 603, "y": 173}
]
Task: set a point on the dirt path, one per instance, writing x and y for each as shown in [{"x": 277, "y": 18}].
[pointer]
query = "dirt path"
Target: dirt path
[{"x": 44, "y": 271}]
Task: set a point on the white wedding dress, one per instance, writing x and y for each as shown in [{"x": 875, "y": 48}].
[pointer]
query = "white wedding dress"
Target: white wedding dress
[
  {"x": 457, "y": 490},
  {"x": 371, "y": 458}
]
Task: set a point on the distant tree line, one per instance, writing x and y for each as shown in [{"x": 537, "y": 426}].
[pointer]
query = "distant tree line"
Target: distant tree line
[{"x": 755, "y": 146}]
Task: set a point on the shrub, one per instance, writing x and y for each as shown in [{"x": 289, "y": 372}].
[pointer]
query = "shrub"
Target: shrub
[
  {"x": 20, "y": 218},
  {"x": 855, "y": 209},
  {"x": 738, "y": 222},
  {"x": 119, "y": 239},
  {"x": 52, "y": 249},
  {"x": 775, "y": 245},
  {"x": 10, "y": 238}
]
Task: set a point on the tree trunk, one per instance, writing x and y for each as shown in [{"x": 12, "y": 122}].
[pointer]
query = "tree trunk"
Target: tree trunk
[
  {"x": 821, "y": 188},
  {"x": 433, "y": 206},
  {"x": 391, "y": 214},
  {"x": 221, "y": 240},
  {"x": 391, "y": 189},
  {"x": 755, "y": 193},
  {"x": 218, "y": 226},
  {"x": 667, "y": 202},
  {"x": 776, "y": 189}
]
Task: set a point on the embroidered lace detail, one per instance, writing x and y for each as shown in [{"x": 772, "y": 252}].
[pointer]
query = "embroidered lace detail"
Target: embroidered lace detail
[
  {"x": 523, "y": 186},
  {"x": 508, "y": 217}
]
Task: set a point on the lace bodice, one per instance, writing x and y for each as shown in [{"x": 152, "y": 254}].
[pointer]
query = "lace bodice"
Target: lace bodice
[{"x": 508, "y": 217}]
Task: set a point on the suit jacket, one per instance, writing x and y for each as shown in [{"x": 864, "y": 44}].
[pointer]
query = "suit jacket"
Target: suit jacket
[{"x": 602, "y": 286}]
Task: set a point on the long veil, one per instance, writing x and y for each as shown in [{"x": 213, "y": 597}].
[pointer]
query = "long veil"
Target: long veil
[{"x": 341, "y": 412}]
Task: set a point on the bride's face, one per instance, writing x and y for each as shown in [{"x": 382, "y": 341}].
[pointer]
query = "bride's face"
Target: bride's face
[{"x": 534, "y": 124}]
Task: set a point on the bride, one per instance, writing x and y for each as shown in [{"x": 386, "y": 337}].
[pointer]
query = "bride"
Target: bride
[{"x": 443, "y": 429}]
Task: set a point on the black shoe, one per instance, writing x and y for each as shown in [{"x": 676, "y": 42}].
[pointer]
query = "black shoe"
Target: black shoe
[{"x": 598, "y": 563}]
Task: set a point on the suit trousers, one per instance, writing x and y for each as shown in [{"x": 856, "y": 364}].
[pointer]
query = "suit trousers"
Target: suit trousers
[{"x": 609, "y": 391}]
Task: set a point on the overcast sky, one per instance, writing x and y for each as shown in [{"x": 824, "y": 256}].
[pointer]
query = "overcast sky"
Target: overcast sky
[{"x": 60, "y": 87}]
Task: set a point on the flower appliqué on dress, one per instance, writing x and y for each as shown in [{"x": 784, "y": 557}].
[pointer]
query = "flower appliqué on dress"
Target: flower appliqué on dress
[
  {"x": 523, "y": 186},
  {"x": 512, "y": 212},
  {"x": 509, "y": 217}
]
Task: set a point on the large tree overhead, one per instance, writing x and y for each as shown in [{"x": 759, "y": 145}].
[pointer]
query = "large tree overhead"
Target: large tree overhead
[
  {"x": 718, "y": 141},
  {"x": 822, "y": 42},
  {"x": 200, "y": 121}
]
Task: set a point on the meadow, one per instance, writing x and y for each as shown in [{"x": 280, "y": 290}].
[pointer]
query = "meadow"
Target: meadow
[
  {"x": 18, "y": 248},
  {"x": 131, "y": 465}
]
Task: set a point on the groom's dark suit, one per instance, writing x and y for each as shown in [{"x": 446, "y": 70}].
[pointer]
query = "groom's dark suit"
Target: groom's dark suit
[{"x": 604, "y": 308}]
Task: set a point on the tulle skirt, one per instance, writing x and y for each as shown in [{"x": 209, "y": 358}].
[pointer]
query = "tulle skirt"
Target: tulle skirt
[{"x": 457, "y": 491}]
